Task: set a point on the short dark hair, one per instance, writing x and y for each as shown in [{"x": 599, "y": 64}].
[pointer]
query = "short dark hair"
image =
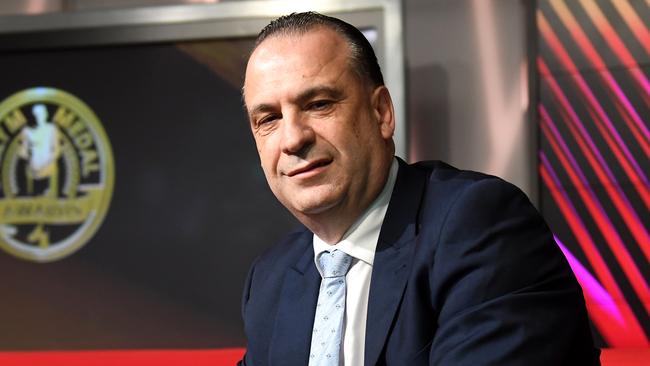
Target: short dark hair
[{"x": 362, "y": 56}]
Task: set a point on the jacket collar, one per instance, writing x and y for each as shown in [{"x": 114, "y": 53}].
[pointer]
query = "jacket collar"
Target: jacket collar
[
  {"x": 393, "y": 258},
  {"x": 291, "y": 339}
]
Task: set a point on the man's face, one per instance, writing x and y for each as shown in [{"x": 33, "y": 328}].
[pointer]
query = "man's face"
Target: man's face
[{"x": 324, "y": 137}]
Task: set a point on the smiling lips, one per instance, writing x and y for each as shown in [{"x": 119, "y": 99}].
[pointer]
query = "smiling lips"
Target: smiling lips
[{"x": 310, "y": 169}]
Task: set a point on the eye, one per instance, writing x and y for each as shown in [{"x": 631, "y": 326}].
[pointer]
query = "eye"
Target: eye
[
  {"x": 320, "y": 105},
  {"x": 267, "y": 119}
]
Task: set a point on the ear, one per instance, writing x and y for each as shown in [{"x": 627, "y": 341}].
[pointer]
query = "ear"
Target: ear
[{"x": 382, "y": 105}]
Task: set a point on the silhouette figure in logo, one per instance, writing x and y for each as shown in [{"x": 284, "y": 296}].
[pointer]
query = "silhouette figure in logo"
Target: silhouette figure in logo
[{"x": 41, "y": 147}]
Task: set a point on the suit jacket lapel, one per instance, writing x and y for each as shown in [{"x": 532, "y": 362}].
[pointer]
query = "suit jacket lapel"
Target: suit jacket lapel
[
  {"x": 291, "y": 338},
  {"x": 393, "y": 258}
]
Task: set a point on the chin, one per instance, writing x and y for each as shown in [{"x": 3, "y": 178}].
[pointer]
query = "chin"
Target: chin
[{"x": 315, "y": 203}]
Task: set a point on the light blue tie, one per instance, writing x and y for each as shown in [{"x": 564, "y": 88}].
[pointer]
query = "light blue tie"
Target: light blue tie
[{"x": 328, "y": 322}]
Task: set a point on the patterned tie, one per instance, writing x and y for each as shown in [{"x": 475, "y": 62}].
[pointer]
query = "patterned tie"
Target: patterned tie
[{"x": 328, "y": 323}]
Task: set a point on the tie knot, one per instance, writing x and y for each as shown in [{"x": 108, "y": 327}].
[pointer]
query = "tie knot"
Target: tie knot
[{"x": 334, "y": 264}]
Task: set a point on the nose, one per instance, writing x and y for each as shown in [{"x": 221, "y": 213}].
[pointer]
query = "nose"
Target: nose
[{"x": 297, "y": 134}]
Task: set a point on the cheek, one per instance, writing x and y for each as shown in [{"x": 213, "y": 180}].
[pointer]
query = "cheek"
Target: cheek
[{"x": 268, "y": 157}]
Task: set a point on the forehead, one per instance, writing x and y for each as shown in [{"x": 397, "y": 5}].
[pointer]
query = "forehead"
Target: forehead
[{"x": 288, "y": 60}]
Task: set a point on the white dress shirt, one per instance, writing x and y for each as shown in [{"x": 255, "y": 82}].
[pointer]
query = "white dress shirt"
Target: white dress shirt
[{"x": 360, "y": 242}]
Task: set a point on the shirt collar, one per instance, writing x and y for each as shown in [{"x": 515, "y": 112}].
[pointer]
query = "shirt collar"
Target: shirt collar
[{"x": 360, "y": 241}]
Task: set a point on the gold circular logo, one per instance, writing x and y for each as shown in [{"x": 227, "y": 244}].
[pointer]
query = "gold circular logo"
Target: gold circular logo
[{"x": 56, "y": 174}]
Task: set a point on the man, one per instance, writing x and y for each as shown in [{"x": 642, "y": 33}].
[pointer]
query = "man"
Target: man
[{"x": 397, "y": 264}]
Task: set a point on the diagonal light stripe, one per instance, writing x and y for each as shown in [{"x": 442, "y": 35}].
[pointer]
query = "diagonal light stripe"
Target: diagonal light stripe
[
  {"x": 640, "y": 186},
  {"x": 603, "y": 310},
  {"x": 614, "y": 189},
  {"x": 595, "y": 209},
  {"x": 621, "y": 98},
  {"x": 599, "y": 164},
  {"x": 637, "y": 228},
  {"x": 634, "y": 336},
  {"x": 593, "y": 288},
  {"x": 623, "y": 54},
  {"x": 636, "y": 25},
  {"x": 620, "y": 149},
  {"x": 645, "y": 146},
  {"x": 594, "y": 58},
  {"x": 609, "y": 34},
  {"x": 587, "y": 48}
]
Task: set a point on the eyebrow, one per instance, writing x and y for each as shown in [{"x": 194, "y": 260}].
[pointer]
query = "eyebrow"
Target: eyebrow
[
  {"x": 260, "y": 108},
  {"x": 301, "y": 98},
  {"x": 319, "y": 90}
]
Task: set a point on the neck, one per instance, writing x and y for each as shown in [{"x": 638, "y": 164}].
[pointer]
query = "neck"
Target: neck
[{"x": 330, "y": 227}]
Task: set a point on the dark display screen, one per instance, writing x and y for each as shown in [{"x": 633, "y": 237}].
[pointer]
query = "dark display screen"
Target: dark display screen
[{"x": 189, "y": 211}]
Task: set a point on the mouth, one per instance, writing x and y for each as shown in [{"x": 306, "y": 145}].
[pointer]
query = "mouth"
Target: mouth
[{"x": 311, "y": 167}]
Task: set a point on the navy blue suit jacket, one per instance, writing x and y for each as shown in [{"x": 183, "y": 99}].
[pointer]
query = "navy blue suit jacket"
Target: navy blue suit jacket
[{"x": 466, "y": 272}]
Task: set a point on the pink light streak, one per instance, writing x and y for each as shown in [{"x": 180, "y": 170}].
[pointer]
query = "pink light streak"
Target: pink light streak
[
  {"x": 594, "y": 290},
  {"x": 645, "y": 146},
  {"x": 636, "y": 25}
]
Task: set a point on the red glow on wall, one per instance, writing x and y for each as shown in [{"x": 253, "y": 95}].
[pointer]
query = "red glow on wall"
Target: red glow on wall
[{"x": 216, "y": 357}]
